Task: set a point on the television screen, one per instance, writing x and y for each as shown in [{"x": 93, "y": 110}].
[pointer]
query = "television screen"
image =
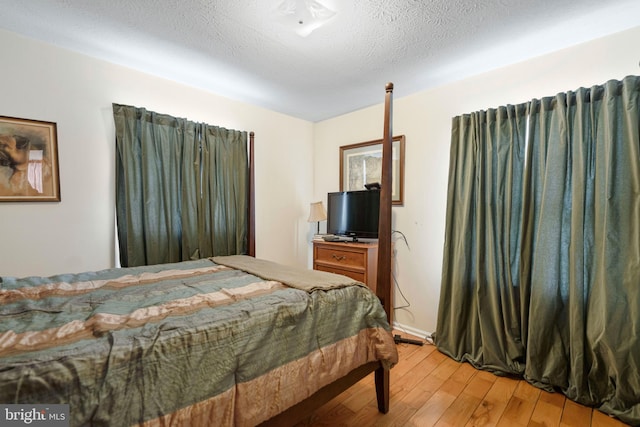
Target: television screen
[{"x": 353, "y": 213}]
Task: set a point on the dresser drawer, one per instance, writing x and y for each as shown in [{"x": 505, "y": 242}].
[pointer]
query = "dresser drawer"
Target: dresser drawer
[
  {"x": 355, "y": 275},
  {"x": 348, "y": 258}
]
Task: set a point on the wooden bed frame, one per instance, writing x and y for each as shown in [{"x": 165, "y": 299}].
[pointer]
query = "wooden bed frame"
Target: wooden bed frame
[{"x": 305, "y": 409}]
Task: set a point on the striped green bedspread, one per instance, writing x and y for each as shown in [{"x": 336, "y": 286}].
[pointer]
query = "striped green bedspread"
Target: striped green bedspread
[{"x": 192, "y": 343}]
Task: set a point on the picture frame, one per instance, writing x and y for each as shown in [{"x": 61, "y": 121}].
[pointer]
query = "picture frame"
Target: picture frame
[
  {"x": 29, "y": 170},
  {"x": 361, "y": 164}
]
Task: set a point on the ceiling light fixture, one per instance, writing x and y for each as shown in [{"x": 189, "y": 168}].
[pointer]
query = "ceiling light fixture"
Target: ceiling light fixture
[{"x": 303, "y": 16}]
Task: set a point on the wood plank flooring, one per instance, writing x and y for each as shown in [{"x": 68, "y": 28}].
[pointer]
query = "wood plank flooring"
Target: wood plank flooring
[{"x": 431, "y": 389}]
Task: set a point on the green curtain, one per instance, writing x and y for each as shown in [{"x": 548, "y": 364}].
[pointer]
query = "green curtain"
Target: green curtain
[
  {"x": 583, "y": 247},
  {"x": 578, "y": 290},
  {"x": 224, "y": 213},
  {"x": 479, "y": 317},
  {"x": 161, "y": 202}
]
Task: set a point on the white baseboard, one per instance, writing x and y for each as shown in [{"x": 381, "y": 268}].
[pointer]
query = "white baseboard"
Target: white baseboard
[{"x": 412, "y": 331}]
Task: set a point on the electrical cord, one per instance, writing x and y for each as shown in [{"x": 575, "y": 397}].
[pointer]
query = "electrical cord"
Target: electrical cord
[
  {"x": 395, "y": 280},
  {"x": 403, "y": 237},
  {"x": 397, "y": 338}
]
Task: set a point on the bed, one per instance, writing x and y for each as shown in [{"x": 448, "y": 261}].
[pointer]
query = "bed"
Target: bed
[{"x": 226, "y": 341}]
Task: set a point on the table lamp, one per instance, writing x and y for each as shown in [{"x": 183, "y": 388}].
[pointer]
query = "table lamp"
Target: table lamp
[{"x": 317, "y": 213}]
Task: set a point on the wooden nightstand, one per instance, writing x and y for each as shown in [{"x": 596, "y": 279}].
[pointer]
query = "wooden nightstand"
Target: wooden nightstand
[{"x": 356, "y": 260}]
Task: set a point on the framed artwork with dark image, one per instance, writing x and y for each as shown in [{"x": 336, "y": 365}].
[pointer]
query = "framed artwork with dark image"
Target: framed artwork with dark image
[
  {"x": 28, "y": 161},
  {"x": 361, "y": 164}
]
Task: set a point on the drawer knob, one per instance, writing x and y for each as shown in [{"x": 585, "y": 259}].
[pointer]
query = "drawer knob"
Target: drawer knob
[{"x": 338, "y": 257}]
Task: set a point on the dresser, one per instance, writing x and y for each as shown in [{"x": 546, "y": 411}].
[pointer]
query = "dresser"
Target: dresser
[{"x": 354, "y": 259}]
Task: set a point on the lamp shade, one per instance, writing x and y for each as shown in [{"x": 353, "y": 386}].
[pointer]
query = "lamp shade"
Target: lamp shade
[{"x": 317, "y": 212}]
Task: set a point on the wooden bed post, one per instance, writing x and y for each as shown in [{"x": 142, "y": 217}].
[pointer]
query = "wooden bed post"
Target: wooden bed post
[
  {"x": 383, "y": 285},
  {"x": 251, "y": 227}
]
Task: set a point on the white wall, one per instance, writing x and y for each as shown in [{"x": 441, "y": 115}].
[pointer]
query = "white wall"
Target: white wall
[
  {"x": 425, "y": 119},
  {"x": 43, "y": 82}
]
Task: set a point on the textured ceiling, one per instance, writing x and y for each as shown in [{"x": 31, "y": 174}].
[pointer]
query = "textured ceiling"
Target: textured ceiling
[{"x": 242, "y": 50}]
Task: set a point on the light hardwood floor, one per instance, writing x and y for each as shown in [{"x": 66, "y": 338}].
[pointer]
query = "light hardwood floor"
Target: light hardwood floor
[{"x": 431, "y": 389}]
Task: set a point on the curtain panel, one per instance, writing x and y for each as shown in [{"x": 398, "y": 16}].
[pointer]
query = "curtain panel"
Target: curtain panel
[
  {"x": 173, "y": 176},
  {"x": 479, "y": 317},
  {"x": 573, "y": 306}
]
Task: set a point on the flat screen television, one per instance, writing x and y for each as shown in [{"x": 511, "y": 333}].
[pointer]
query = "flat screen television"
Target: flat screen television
[{"x": 353, "y": 214}]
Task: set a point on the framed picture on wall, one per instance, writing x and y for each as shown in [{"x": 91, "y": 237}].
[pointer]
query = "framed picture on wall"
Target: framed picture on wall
[
  {"x": 28, "y": 161},
  {"x": 361, "y": 164}
]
